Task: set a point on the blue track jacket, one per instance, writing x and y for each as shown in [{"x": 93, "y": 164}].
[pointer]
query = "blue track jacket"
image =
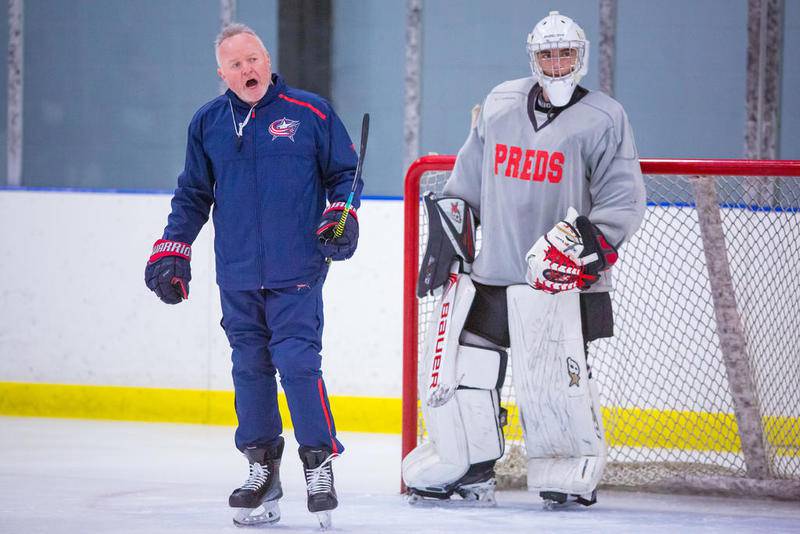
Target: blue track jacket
[{"x": 268, "y": 189}]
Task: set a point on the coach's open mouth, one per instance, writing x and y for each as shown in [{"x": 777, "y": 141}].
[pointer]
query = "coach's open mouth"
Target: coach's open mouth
[{"x": 252, "y": 82}]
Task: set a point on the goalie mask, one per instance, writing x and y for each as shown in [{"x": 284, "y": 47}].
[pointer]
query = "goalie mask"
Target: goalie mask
[{"x": 559, "y": 54}]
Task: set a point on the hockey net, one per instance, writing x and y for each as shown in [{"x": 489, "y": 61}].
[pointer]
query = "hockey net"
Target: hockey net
[{"x": 700, "y": 386}]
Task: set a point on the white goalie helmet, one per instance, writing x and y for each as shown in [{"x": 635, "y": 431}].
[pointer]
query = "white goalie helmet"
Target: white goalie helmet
[{"x": 559, "y": 53}]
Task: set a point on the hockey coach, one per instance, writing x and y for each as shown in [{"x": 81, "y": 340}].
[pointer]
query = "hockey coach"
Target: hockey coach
[{"x": 276, "y": 164}]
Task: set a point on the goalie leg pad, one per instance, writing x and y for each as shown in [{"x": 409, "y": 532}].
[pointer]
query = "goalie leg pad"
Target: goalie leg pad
[
  {"x": 438, "y": 377},
  {"x": 463, "y": 432},
  {"x": 462, "y": 416},
  {"x": 558, "y": 400}
]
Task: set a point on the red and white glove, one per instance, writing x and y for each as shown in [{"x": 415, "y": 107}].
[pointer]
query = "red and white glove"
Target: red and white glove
[{"x": 570, "y": 257}]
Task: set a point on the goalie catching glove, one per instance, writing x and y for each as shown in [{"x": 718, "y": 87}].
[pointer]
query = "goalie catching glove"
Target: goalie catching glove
[{"x": 569, "y": 257}]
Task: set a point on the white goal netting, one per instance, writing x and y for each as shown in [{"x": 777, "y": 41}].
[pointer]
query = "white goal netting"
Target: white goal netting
[{"x": 700, "y": 385}]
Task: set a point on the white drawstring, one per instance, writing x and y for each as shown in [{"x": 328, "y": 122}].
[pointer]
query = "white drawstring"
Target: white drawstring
[
  {"x": 240, "y": 127},
  {"x": 258, "y": 476},
  {"x": 319, "y": 479}
]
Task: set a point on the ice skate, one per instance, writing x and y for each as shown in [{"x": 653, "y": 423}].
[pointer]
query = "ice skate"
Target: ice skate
[
  {"x": 476, "y": 488},
  {"x": 256, "y": 501},
  {"x": 478, "y": 494},
  {"x": 319, "y": 483},
  {"x": 554, "y": 500}
]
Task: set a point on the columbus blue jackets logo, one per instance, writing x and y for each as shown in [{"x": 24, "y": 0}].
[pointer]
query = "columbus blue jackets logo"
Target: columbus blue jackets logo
[{"x": 284, "y": 128}]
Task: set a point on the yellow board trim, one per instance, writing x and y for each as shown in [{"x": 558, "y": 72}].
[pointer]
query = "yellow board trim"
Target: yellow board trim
[
  {"x": 625, "y": 427},
  {"x": 122, "y": 403}
]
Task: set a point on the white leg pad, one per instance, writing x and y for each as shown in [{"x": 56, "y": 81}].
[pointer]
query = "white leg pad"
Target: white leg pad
[
  {"x": 438, "y": 377},
  {"x": 453, "y": 446},
  {"x": 480, "y": 410},
  {"x": 461, "y": 409},
  {"x": 559, "y": 403},
  {"x": 444, "y": 458}
]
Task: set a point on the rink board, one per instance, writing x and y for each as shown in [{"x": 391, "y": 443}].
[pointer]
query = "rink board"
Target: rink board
[{"x": 81, "y": 336}]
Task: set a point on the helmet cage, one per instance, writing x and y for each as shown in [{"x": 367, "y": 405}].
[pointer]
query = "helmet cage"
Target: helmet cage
[
  {"x": 578, "y": 67},
  {"x": 557, "y": 32}
]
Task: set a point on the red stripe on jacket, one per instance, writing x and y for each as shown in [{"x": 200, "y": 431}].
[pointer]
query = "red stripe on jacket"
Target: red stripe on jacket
[{"x": 320, "y": 114}]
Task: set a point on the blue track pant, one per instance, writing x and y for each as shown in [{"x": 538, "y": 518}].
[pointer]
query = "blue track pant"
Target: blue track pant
[{"x": 279, "y": 330}]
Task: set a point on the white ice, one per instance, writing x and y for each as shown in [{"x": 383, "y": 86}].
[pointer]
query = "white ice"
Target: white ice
[{"x": 74, "y": 476}]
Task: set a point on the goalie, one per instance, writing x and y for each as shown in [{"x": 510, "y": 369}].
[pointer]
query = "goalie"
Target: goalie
[{"x": 552, "y": 172}]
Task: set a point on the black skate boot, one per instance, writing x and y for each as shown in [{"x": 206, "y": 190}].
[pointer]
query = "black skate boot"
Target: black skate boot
[
  {"x": 256, "y": 501},
  {"x": 319, "y": 482}
]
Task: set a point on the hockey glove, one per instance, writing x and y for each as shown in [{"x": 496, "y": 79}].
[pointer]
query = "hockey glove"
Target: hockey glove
[
  {"x": 342, "y": 247},
  {"x": 598, "y": 254},
  {"x": 168, "y": 272},
  {"x": 569, "y": 257}
]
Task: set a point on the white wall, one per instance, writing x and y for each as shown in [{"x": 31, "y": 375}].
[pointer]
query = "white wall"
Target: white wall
[{"x": 74, "y": 308}]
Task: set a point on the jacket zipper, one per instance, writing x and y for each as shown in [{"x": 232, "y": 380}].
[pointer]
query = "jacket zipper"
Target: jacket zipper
[{"x": 258, "y": 203}]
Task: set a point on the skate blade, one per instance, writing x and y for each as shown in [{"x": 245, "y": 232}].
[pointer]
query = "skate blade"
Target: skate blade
[
  {"x": 324, "y": 519},
  {"x": 480, "y": 499},
  {"x": 551, "y": 505},
  {"x": 267, "y": 513},
  {"x": 556, "y": 501},
  {"x": 419, "y": 501}
]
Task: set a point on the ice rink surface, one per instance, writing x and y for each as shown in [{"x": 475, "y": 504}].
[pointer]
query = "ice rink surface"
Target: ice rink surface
[{"x": 75, "y": 476}]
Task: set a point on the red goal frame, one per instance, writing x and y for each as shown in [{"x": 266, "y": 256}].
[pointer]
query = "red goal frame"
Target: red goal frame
[{"x": 411, "y": 203}]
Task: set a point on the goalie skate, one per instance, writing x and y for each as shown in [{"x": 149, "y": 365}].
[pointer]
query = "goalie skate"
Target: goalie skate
[
  {"x": 480, "y": 493},
  {"x": 477, "y": 494},
  {"x": 554, "y": 500}
]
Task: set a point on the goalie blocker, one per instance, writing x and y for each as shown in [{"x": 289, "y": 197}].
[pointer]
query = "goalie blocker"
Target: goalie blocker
[{"x": 464, "y": 368}]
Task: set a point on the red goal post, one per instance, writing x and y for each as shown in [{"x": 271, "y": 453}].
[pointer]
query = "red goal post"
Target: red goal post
[{"x": 749, "y": 439}]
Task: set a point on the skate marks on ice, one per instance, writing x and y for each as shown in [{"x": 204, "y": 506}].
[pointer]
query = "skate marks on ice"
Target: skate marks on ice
[
  {"x": 616, "y": 512},
  {"x": 148, "y": 511}
]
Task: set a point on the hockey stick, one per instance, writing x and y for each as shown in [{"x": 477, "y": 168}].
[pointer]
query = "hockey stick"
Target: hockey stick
[{"x": 339, "y": 230}]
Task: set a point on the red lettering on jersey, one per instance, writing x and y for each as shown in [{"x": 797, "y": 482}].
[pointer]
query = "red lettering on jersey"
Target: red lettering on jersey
[
  {"x": 529, "y": 165},
  {"x": 526, "y": 166},
  {"x": 513, "y": 162},
  {"x": 540, "y": 168},
  {"x": 556, "y": 167},
  {"x": 500, "y": 153}
]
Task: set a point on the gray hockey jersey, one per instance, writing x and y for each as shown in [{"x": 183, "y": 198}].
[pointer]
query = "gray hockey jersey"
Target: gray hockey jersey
[{"x": 521, "y": 181}]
